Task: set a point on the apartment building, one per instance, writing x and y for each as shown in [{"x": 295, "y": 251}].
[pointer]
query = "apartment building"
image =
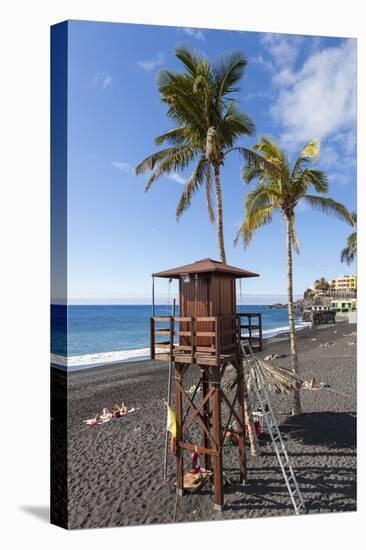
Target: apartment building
[{"x": 343, "y": 283}]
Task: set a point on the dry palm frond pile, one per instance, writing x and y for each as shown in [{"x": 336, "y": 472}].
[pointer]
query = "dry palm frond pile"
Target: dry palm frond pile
[{"x": 276, "y": 379}]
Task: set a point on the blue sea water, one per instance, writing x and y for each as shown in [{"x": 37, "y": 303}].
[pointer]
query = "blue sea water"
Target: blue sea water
[{"x": 84, "y": 335}]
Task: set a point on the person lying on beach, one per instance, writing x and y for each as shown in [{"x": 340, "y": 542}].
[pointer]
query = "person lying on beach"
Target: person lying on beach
[
  {"x": 119, "y": 410},
  {"x": 313, "y": 385},
  {"x": 272, "y": 356}
]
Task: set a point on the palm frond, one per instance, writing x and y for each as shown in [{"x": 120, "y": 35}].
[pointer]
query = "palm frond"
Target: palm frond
[
  {"x": 262, "y": 195},
  {"x": 228, "y": 70},
  {"x": 149, "y": 163},
  {"x": 349, "y": 253},
  {"x": 275, "y": 156},
  {"x": 294, "y": 239},
  {"x": 184, "y": 107},
  {"x": 310, "y": 176},
  {"x": 252, "y": 158},
  {"x": 192, "y": 185},
  {"x": 175, "y": 162},
  {"x": 236, "y": 123},
  {"x": 309, "y": 153},
  {"x": 175, "y": 136},
  {"x": 329, "y": 206},
  {"x": 252, "y": 221},
  {"x": 277, "y": 379},
  {"x": 248, "y": 173},
  {"x": 270, "y": 150},
  {"x": 189, "y": 58}
]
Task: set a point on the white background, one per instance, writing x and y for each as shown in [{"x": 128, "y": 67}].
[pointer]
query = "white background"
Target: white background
[{"x": 24, "y": 336}]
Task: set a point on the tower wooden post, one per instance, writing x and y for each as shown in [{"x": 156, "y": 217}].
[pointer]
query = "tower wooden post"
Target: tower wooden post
[
  {"x": 179, "y": 417},
  {"x": 218, "y": 436}
]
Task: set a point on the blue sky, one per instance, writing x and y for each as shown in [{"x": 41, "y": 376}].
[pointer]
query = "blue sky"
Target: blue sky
[{"x": 295, "y": 88}]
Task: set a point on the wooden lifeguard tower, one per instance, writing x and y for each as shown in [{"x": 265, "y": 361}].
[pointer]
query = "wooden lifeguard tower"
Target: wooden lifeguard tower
[{"x": 207, "y": 333}]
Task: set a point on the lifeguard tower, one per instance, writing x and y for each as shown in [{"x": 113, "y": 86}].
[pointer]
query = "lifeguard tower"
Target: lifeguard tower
[{"x": 207, "y": 334}]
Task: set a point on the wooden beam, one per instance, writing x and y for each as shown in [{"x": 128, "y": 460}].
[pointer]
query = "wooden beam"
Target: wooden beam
[
  {"x": 202, "y": 450},
  {"x": 217, "y": 430},
  {"x": 162, "y": 319},
  {"x": 237, "y": 418},
  {"x": 229, "y": 419},
  {"x": 206, "y": 416},
  {"x": 217, "y": 341},
  {"x": 192, "y": 339},
  {"x": 197, "y": 414}
]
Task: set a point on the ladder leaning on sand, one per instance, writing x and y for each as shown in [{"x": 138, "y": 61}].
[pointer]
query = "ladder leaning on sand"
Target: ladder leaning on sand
[{"x": 262, "y": 397}]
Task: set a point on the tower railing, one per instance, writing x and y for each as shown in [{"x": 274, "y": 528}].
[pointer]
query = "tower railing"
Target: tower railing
[
  {"x": 252, "y": 324},
  {"x": 182, "y": 343}
]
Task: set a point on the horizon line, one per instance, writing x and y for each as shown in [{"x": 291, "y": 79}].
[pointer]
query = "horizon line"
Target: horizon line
[{"x": 270, "y": 302}]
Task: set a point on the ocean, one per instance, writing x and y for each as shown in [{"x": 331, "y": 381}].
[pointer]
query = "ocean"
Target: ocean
[{"x": 110, "y": 333}]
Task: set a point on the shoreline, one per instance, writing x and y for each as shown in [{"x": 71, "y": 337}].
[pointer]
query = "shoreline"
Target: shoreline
[{"x": 95, "y": 360}]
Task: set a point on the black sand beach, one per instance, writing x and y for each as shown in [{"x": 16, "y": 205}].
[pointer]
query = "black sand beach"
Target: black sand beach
[{"x": 115, "y": 470}]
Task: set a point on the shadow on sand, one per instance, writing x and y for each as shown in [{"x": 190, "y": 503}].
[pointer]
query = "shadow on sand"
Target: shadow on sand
[
  {"x": 324, "y": 487},
  {"x": 331, "y": 429}
]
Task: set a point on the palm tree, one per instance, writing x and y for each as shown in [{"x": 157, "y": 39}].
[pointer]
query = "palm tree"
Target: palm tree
[
  {"x": 281, "y": 189},
  {"x": 208, "y": 124},
  {"x": 349, "y": 253},
  {"x": 321, "y": 284}
]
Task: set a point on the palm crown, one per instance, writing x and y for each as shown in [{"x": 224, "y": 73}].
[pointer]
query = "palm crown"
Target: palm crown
[
  {"x": 201, "y": 103},
  {"x": 282, "y": 186}
]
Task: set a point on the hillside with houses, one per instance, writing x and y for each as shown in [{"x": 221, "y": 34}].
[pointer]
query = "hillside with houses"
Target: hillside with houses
[{"x": 337, "y": 296}]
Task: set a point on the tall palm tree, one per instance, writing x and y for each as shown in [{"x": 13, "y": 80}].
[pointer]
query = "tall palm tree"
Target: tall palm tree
[
  {"x": 321, "y": 284},
  {"x": 349, "y": 253},
  {"x": 280, "y": 189},
  {"x": 208, "y": 124}
]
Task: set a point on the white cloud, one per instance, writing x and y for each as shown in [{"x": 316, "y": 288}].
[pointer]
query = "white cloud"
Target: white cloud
[
  {"x": 123, "y": 166},
  {"x": 265, "y": 63},
  {"x": 151, "y": 64},
  {"x": 196, "y": 33},
  {"x": 319, "y": 99},
  {"x": 176, "y": 177},
  {"x": 103, "y": 80},
  {"x": 283, "y": 49}
]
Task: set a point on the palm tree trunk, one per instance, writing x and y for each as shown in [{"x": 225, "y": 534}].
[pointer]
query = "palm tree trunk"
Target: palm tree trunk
[
  {"x": 252, "y": 436},
  {"x": 219, "y": 214},
  {"x": 296, "y": 408}
]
